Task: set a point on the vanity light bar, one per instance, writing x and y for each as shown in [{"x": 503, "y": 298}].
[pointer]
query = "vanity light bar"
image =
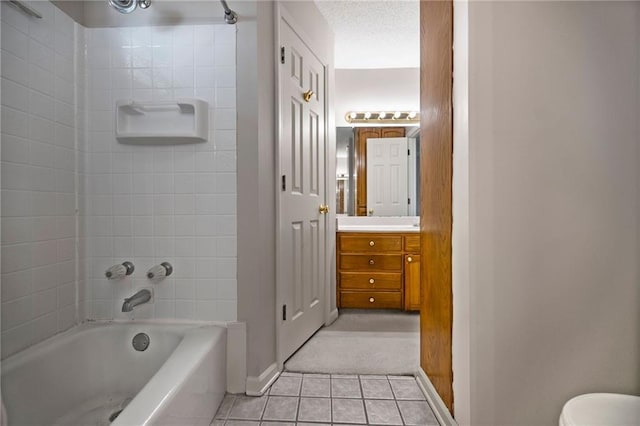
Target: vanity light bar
[{"x": 372, "y": 117}]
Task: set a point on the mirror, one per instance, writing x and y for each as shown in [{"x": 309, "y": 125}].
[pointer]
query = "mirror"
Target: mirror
[{"x": 369, "y": 179}]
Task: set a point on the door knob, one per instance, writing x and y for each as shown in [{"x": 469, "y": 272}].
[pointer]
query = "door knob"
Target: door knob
[
  {"x": 371, "y": 262},
  {"x": 307, "y": 95},
  {"x": 409, "y": 259},
  {"x": 372, "y": 243},
  {"x": 371, "y": 300},
  {"x": 324, "y": 208},
  {"x": 371, "y": 281}
]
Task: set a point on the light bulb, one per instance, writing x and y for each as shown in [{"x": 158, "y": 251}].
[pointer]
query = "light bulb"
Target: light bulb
[
  {"x": 382, "y": 115},
  {"x": 397, "y": 115},
  {"x": 412, "y": 115},
  {"x": 367, "y": 115},
  {"x": 353, "y": 115}
]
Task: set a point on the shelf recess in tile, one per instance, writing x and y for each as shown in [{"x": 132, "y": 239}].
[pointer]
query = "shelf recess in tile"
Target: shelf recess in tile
[{"x": 173, "y": 122}]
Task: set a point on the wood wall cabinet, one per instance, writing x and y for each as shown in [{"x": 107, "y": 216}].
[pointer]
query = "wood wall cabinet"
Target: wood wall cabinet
[
  {"x": 362, "y": 134},
  {"x": 374, "y": 270}
]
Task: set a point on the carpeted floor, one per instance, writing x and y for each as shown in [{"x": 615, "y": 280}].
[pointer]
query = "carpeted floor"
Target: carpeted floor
[{"x": 362, "y": 342}]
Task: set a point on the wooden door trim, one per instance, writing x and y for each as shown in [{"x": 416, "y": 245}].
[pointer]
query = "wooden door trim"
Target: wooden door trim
[{"x": 436, "y": 174}]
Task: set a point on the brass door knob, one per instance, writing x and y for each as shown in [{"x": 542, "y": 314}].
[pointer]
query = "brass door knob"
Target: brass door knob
[
  {"x": 371, "y": 262},
  {"x": 371, "y": 281},
  {"x": 409, "y": 259},
  {"x": 372, "y": 243},
  {"x": 371, "y": 300},
  {"x": 307, "y": 95},
  {"x": 324, "y": 208}
]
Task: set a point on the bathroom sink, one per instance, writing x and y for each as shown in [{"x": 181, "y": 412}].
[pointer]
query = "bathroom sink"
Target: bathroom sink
[{"x": 378, "y": 228}]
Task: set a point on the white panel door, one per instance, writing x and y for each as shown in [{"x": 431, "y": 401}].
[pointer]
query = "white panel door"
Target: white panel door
[
  {"x": 387, "y": 173},
  {"x": 301, "y": 286}
]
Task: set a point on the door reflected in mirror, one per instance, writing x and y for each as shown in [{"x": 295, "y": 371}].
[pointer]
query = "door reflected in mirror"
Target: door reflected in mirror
[{"x": 377, "y": 171}]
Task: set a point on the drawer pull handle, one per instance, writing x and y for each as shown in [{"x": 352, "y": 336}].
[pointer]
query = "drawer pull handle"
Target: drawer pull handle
[
  {"x": 371, "y": 300},
  {"x": 372, "y": 243},
  {"x": 371, "y": 281},
  {"x": 409, "y": 259},
  {"x": 371, "y": 262}
]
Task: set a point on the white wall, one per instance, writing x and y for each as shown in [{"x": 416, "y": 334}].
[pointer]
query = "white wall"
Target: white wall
[
  {"x": 554, "y": 207},
  {"x": 38, "y": 176},
  {"x": 176, "y": 203},
  {"x": 75, "y": 9},
  {"x": 389, "y": 89},
  {"x": 98, "y": 13},
  {"x": 256, "y": 177},
  {"x": 460, "y": 206}
]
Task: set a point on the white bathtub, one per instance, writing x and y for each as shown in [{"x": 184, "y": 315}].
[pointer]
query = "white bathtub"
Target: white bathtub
[{"x": 84, "y": 376}]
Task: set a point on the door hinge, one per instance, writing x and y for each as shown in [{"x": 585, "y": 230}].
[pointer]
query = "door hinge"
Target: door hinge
[
  {"x": 284, "y": 182},
  {"x": 284, "y": 312},
  {"x": 282, "y": 55},
  {"x": 409, "y": 201},
  {"x": 408, "y": 152}
]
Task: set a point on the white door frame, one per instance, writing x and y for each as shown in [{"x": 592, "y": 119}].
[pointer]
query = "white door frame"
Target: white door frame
[{"x": 330, "y": 313}]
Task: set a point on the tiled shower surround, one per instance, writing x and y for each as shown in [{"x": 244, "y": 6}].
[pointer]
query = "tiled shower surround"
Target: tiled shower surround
[
  {"x": 75, "y": 201},
  {"x": 176, "y": 203},
  {"x": 38, "y": 176}
]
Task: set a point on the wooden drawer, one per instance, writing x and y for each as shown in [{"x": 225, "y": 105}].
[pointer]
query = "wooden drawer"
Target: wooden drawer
[
  {"x": 371, "y": 299},
  {"x": 371, "y": 262},
  {"x": 370, "y": 243},
  {"x": 412, "y": 243},
  {"x": 371, "y": 281}
]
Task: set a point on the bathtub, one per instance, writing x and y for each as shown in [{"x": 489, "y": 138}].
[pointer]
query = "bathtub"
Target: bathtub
[{"x": 92, "y": 375}]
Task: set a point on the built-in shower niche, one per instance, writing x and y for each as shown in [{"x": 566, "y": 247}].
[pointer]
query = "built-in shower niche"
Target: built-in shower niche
[{"x": 171, "y": 122}]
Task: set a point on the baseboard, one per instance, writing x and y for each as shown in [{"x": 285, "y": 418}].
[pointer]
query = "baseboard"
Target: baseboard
[
  {"x": 437, "y": 404},
  {"x": 333, "y": 315},
  {"x": 257, "y": 386},
  {"x": 236, "y": 357}
]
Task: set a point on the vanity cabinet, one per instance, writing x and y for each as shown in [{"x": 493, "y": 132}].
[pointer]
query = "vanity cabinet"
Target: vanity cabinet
[
  {"x": 378, "y": 270},
  {"x": 412, "y": 282},
  {"x": 412, "y": 273}
]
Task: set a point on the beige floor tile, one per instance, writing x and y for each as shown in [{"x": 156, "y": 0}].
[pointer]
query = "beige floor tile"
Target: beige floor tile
[
  {"x": 316, "y": 387},
  {"x": 315, "y": 410},
  {"x": 282, "y": 408},
  {"x": 348, "y": 411}
]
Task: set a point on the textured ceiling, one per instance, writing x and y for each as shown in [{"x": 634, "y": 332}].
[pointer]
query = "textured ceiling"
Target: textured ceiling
[{"x": 374, "y": 33}]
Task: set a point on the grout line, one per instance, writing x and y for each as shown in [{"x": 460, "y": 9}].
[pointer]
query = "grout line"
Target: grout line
[
  {"x": 331, "y": 399},
  {"x": 399, "y": 412},
  {"x": 364, "y": 406}
]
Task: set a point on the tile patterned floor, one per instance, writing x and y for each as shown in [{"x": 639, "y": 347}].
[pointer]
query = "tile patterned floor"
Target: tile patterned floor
[{"x": 323, "y": 400}]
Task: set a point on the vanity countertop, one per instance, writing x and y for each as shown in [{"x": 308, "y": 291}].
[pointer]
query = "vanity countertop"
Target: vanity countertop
[
  {"x": 378, "y": 228},
  {"x": 378, "y": 224}
]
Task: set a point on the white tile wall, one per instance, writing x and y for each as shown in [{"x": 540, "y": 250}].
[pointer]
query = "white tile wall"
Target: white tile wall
[
  {"x": 38, "y": 176},
  {"x": 81, "y": 170},
  {"x": 74, "y": 201},
  {"x": 150, "y": 204}
]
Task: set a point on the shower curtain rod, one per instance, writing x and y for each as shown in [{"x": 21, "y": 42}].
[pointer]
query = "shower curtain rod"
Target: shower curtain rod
[
  {"x": 230, "y": 17},
  {"x": 26, "y": 9}
]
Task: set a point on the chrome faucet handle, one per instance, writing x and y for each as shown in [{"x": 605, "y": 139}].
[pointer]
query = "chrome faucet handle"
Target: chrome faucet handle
[
  {"x": 160, "y": 271},
  {"x": 119, "y": 271}
]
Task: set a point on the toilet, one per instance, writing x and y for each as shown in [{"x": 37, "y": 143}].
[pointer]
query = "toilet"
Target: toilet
[{"x": 601, "y": 409}]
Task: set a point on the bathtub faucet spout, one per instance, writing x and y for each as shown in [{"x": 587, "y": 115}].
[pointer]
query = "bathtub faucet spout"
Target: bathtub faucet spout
[{"x": 143, "y": 296}]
